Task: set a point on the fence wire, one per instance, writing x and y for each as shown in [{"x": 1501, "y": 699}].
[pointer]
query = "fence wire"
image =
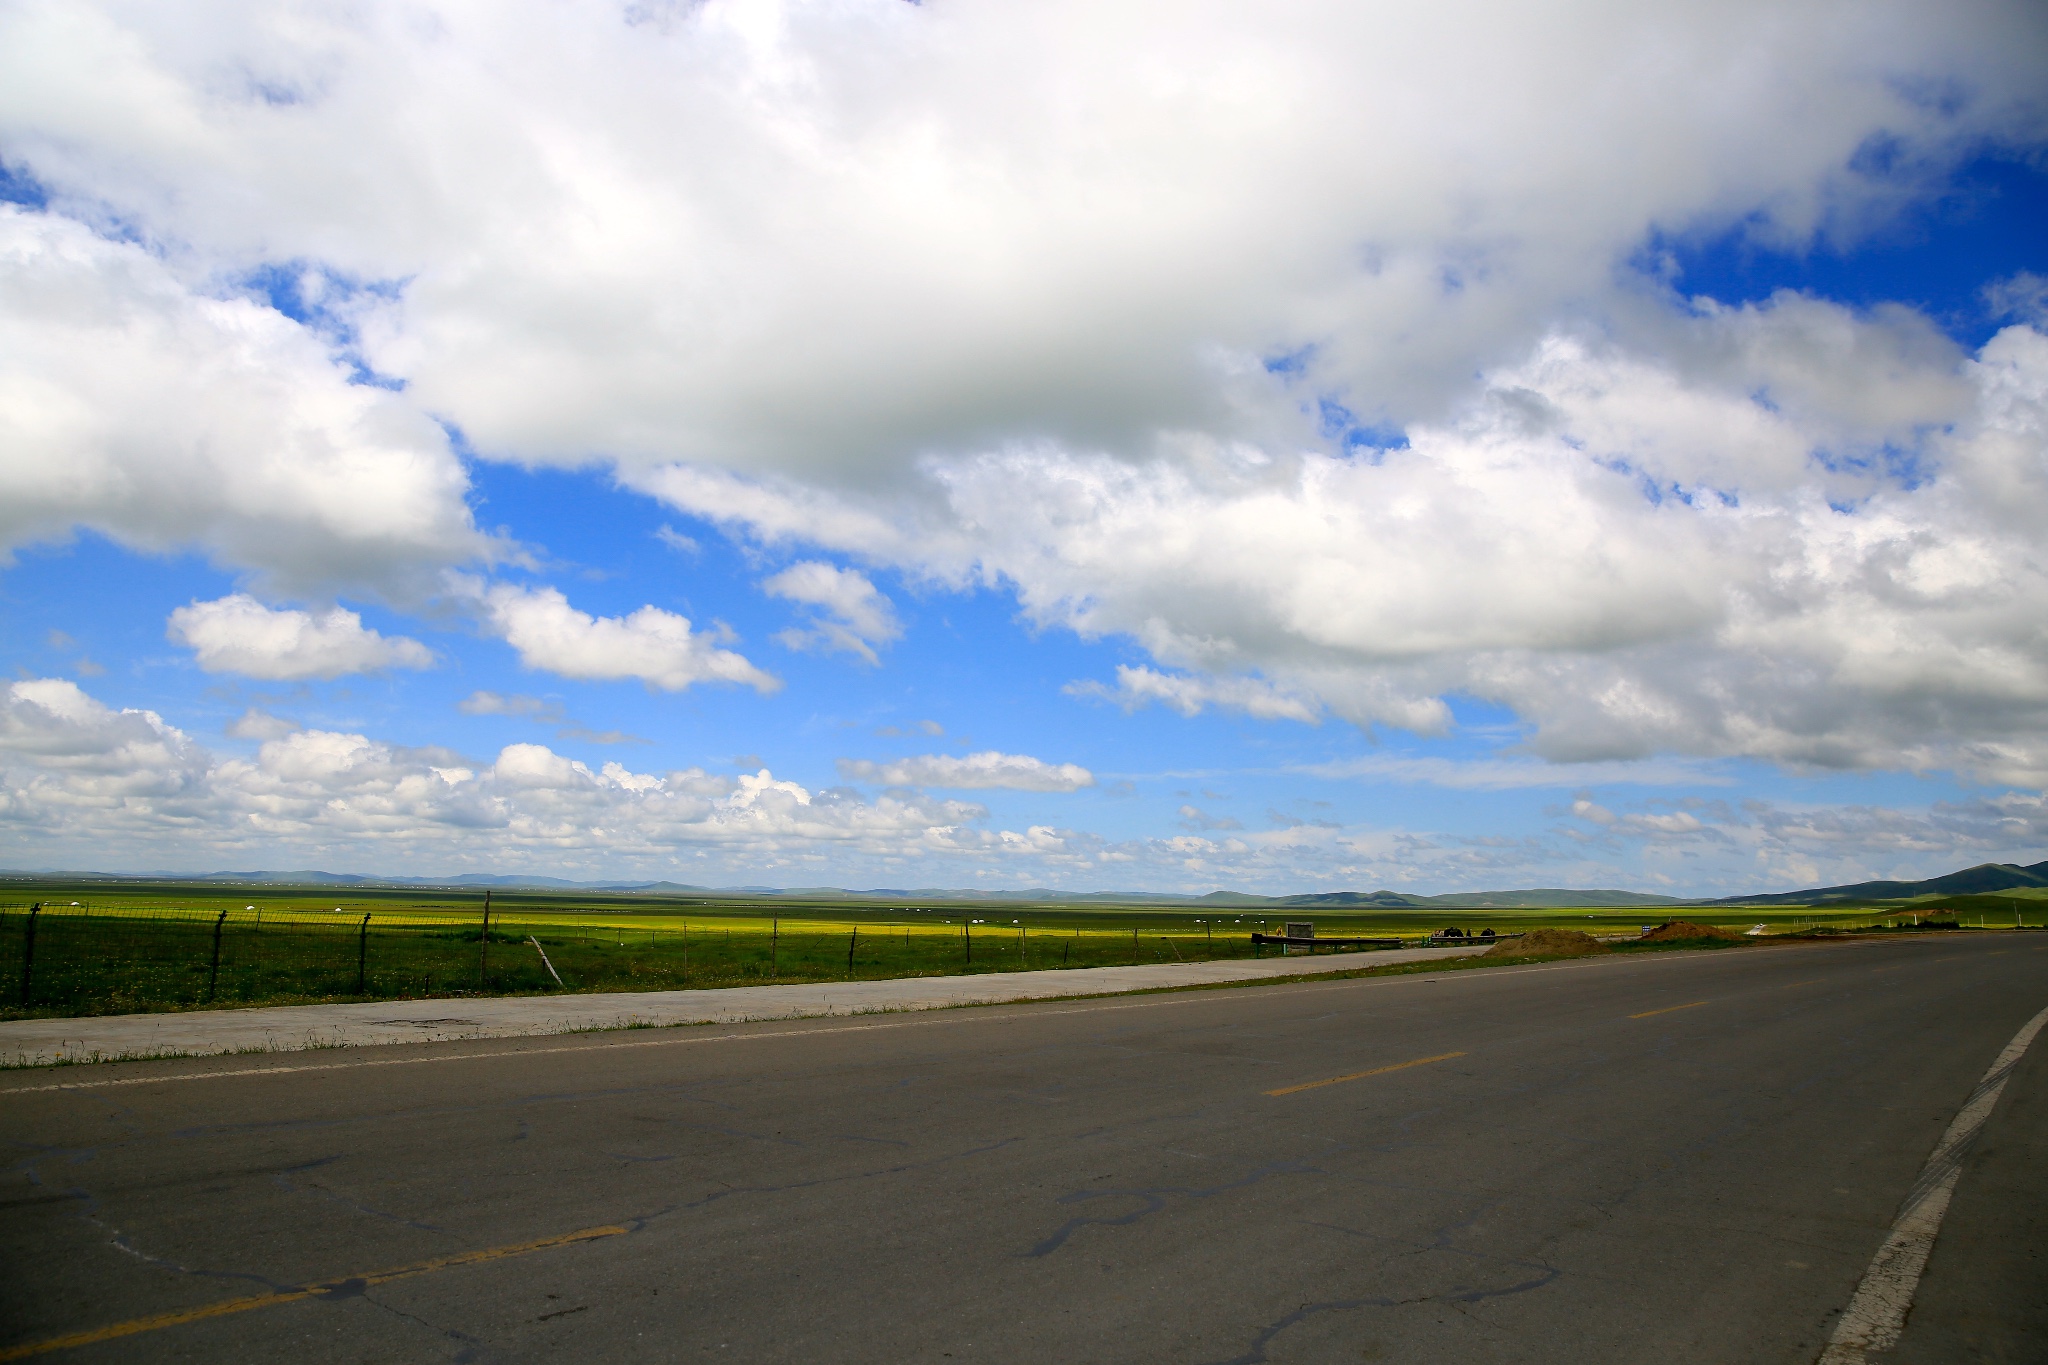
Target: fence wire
[{"x": 80, "y": 959}]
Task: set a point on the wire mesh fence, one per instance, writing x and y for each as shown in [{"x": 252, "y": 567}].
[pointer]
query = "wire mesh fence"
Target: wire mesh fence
[
  {"x": 79, "y": 959},
  {"x": 74, "y": 960}
]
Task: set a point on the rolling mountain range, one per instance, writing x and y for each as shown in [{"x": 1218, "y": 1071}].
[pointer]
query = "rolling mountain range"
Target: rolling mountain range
[{"x": 1971, "y": 881}]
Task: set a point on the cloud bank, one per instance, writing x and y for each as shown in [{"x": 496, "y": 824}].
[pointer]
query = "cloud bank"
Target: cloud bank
[
  {"x": 1812, "y": 543},
  {"x": 75, "y": 772},
  {"x": 1334, "y": 356},
  {"x": 826, "y": 238}
]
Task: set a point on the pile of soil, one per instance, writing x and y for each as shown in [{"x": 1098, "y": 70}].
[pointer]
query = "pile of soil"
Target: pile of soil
[
  {"x": 1685, "y": 928},
  {"x": 1548, "y": 943}
]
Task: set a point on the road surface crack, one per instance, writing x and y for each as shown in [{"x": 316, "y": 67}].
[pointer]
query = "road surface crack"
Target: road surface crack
[{"x": 1153, "y": 1199}]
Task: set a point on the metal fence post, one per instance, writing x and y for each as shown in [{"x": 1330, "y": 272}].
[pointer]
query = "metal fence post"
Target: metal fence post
[
  {"x": 850, "y": 942},
  {"x": 774, "y": 949},
  {"x": 483, "y": 947},
  {"x": 363, "y": 956},
  {"x": 1134, "y": 947},
  {"x": 28, "y": 950},
  {"x": 213, "y": 972},
  {"x": 967, "y": 928}
]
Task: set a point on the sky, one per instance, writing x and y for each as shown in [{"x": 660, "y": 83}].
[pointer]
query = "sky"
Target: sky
[{"x": 1100, "y": 446}]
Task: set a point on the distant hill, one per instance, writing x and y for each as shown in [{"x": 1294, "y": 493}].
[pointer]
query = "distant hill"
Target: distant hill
[
  {"x": 1970, "y": 881},
  {"x": 483, "y": 879},
  {"x": 1983, "y": 879},
  {"x": 1340, "y": 900}
]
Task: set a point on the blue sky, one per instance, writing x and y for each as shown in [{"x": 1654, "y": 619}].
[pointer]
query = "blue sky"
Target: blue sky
[{"x": 841, "y": 510}]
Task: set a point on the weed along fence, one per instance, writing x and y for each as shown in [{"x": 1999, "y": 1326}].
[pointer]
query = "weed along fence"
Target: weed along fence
[
  {"x": 79, "y": 959},
  {"x": 72, "y": 960}
]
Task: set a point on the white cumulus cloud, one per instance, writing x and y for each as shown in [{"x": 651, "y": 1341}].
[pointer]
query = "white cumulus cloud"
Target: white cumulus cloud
[
  {"x": 658, "y": 647},
  {"x": 990, "y": 769},
  {"x": 136, "y": 406},
  {"x": 853, "y": 615},
  {"x": 827, "y": 239},
  {"x": 238, "y": 634},
  {"x": 1328, "y": 352},
  {"x": 1810, "y": 542}
]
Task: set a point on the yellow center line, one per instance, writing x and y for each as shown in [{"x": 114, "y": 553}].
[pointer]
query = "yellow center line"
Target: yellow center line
[
  {"x": 347, "y": 1284},
  {"x": 1668, "y": 1009},
  {"x": 1361, "y": 1075}
]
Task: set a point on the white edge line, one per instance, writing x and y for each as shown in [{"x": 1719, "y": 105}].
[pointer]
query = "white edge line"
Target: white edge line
[{"x": 1876, "y": 1315}]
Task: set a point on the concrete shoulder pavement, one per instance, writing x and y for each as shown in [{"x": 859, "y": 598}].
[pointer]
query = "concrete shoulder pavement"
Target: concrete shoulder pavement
[{"x": 199, "y": 1033}]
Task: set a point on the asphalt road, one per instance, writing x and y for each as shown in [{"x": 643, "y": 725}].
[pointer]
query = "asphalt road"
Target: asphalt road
[{"x": 1682, "y": 1157}]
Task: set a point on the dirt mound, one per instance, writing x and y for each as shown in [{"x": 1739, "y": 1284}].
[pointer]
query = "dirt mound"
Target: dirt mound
[
  {"x": 1548, "y": 943},
  {"x": 1685, "y": 928}
]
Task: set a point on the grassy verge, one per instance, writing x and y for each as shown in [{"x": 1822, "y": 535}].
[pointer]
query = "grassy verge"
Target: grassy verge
[
  {"x": 126, "y": 952},
  {"x": 1476, "y": 962}
]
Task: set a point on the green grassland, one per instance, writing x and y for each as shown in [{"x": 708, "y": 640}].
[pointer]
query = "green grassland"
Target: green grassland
[{"x": 120, "y": 947}]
